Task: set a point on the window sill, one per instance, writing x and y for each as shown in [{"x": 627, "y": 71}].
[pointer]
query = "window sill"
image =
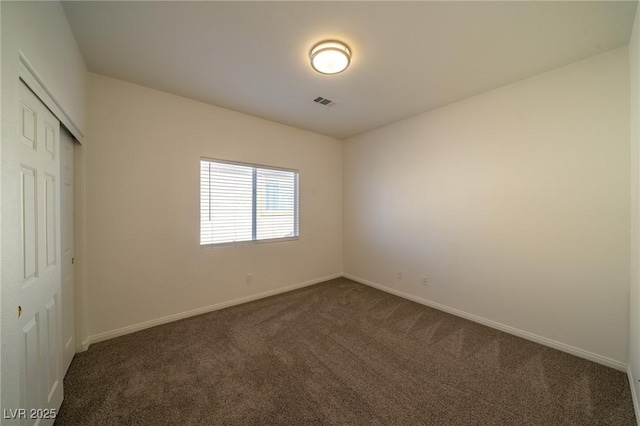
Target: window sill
[{"x": 242, "y": 243}]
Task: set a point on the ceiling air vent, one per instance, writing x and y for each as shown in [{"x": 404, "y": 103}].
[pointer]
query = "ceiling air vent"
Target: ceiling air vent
[{"x": 323, "y": 101}]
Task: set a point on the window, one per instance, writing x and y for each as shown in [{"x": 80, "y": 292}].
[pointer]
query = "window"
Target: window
[
  {"x": 272, "y": 190},
  {"x": 243, "y": 202}
]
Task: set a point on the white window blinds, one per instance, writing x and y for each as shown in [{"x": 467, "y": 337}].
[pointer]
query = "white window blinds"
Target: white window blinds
[{"x": 241, "y": 202}]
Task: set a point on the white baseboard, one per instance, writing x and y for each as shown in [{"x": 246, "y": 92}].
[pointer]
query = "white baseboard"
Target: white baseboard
[
  {"x": 634, "y": 395},
  {"x": 175, "y": 317},
  {"x": 493, "y": 324},
  {"x": 620, "y": 366}
]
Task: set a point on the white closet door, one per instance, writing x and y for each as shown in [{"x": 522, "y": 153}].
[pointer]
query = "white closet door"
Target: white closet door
[
  {"x": 39, "y": 310},
  {"x": 68, "y": 260}
]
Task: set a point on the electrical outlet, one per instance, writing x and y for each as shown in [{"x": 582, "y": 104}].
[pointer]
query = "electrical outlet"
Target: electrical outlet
[
  {"x": 249, "y": 279},
  {"x": 399, "y": 274},
  {"x": 424, "y": 281}
]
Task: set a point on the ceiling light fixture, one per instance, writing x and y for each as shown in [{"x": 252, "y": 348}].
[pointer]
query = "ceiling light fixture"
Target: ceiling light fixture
[{"x": 330, "y": 57}]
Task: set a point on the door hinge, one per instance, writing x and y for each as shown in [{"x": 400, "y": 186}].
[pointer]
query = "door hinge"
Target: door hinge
[
  {"x": 73, "y": 260},
  {"x": 19, "y": 311}
]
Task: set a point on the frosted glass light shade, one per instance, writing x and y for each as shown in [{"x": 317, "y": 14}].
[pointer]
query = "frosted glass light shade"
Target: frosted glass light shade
[{"x": 330, "y": 57}]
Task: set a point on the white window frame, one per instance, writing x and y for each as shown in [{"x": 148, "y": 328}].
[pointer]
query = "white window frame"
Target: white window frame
[{"x": 296, "y": 204}]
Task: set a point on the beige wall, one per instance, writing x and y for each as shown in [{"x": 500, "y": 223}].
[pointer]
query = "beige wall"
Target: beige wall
[
  {"x": 39, "y": 30},
  {"x": 634, "y": 296},
  {"x": 145, "y": 262},
  {"x": 514, "y": 204}
]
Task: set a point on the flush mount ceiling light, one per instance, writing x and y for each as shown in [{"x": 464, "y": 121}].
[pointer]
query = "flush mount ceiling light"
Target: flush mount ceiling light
[{"x": 330, "y": 57}]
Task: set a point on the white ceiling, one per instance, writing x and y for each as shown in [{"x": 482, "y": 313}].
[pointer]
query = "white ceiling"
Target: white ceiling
[{"x": 408, "y": 57}]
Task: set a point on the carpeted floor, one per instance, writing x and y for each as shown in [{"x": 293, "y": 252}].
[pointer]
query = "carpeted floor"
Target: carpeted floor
[{"x": 336, "y": 353}]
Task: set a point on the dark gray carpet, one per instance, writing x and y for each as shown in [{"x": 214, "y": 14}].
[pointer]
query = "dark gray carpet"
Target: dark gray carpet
[{"x": 337, "y": 353}]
